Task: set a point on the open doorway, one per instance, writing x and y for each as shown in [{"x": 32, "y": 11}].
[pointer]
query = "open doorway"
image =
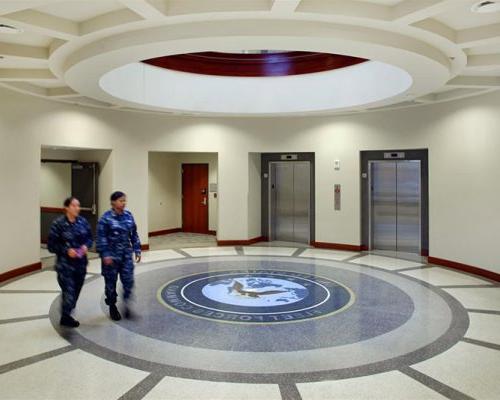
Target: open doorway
[
  {"x": 182, "y": 199},
  {"x": 83, "y": 173}
]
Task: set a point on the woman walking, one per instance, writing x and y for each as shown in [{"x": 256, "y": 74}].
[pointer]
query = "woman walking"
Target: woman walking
[
  {"x": 117, "y": 239},
  {"x": 70, "y": 238}
]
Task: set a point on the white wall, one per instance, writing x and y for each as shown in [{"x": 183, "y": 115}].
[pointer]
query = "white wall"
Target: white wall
[
  {"x": 462, "y": 137},
  {"x": 55, "y": 183},
  {"x": 164, "y": 192},
  {"x": 254, "y": 196},
  {"x": 165, "y": 188}
]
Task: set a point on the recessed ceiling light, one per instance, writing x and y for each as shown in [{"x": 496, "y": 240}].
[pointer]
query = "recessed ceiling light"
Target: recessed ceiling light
[
  {"x": 484, "y": 7},
  {"x": 9, "y": 29}
]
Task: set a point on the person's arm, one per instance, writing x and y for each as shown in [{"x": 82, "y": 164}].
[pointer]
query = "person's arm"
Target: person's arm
[
  {"x": 55, "y": 243},
  {"x": 134, "y": 239},
  {"x": 89, "y": 240},
  {"x": 102, "y": 243}
]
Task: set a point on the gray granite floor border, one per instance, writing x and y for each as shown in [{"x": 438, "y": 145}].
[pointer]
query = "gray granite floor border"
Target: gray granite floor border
[
  {"x": 289, "y": 391},
  {"x": 34, "y": 359},
  {"x": 23, "y": 319},
  {"x": 482, "y": 343},
  {"x": 434, "y": 384},
  {"x": 480, "y": 311},
  {"x": 143, "y": 387}
]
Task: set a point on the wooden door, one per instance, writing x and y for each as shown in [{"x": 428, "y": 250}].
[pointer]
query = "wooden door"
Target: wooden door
[{"x": 195, "y": 198}]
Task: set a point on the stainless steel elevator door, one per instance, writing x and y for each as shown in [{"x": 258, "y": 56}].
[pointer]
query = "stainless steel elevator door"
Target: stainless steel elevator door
[
  {"x": 395, "y": 206},
  {"x": 290, "y": 201}
]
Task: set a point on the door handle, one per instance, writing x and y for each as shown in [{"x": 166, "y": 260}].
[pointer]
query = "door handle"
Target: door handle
[{"x": 204, "y": 201}]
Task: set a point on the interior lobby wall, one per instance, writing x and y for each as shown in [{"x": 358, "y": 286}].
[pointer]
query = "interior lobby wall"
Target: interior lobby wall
[
  {"x": 462, "y": 138},
  {"x": 55, "y": 183},
  {"x": 165, "y": 188}
]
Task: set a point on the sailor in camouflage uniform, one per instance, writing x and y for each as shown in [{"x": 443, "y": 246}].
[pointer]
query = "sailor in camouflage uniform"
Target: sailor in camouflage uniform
[
  {"x": 117, "y": 239},
  {"x": 70, "y": 238}
]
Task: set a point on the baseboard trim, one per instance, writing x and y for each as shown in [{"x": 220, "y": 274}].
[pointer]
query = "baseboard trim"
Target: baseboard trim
[
  {"x": 213, "y": 233},
  {"x": 241, "y": 242},
  {"x": 464, "y": 268},
  {"x": 14, "y": 273},
  {"x": 337, "y": 246},
  {"x": 164, "y": 232},
  {"x": 145, "y": 247}
]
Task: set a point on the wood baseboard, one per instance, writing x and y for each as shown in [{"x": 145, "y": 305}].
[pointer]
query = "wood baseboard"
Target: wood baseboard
[
  {"x": 57, "y": 210},
  {"x": 164, "y": 232},
  {"x": 145, "y": 247},
  {"x": 464, "y": 268},
  {"x": 214, "y": 233},
  {"x": 240, "y": 242},
  {"x": 14, "y": 273},
  {"x": 337, "y": 246}
]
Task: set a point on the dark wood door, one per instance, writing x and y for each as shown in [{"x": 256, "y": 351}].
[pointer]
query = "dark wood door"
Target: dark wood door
[{"x": 195, "y": 198}]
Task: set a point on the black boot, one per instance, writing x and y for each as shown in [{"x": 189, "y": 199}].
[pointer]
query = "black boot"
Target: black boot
[
  {"x": 114, "y": 313},
  {"x": 69, "y": 321},
  {"x": 128, "y": 313}
]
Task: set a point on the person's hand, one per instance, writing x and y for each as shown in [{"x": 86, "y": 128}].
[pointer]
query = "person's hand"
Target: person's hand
[
  {"x": 72, "y": 253},
  {"x": 107, "y": 260},
  {"x": 137, "y": 258},
  {"x": 84, "y": 249}
]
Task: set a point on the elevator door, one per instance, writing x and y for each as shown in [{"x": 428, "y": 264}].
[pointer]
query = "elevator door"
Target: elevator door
[
  {"x": 395, "y": 206},
  {"x": 290, "y": 201}
]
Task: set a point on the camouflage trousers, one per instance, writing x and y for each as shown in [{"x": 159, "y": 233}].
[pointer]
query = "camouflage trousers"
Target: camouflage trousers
[
  {"x": 70, "y": 279},
  {"x": 124, "y": 268}
]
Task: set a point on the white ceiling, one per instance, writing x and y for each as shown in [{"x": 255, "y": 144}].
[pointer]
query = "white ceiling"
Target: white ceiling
[
  {"x": 60, "y": 34},
  {"x": 80, "y": 10}
]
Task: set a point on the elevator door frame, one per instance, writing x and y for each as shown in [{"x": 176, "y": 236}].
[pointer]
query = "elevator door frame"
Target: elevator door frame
[
  {"x": 272, "y": 210},
  {"x": 380, "y": 155},
  {"x": 266, "y": 159},
  {"x": 371, "y": 235}
]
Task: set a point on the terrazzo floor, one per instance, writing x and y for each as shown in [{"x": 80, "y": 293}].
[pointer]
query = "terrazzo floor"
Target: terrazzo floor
[{"x": 402, "y": 330}]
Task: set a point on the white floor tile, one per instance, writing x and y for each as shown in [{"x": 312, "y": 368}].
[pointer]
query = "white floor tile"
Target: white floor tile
[
  {"x": 211, "y": 251},
  {"x": 385, "y": 262},
  {"x": 335, "y": 255},
  {"x": 46, "y": 280},
  {"x": 471, "y": 369},
  {"x": 268, "y": 251},
  {"x": 73, "y": 375},
  {"x": 186, "y": 389},
  {"x": 94, "y": 266},
  {"x": 485, "y": 327},
  {"x": 480, "y": 298},
  {"x": 159, "y": 255},
  {"x": 17, "y": 305},
  {"x": 386, "y": 386},
  {"x": 440, "y": 276},
  {"x": 28, "y": 338},
  {"x": 44, "y": 253}
]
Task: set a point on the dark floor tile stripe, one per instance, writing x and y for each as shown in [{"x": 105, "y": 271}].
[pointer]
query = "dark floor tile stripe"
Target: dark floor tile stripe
[
  {"x": 289, "y": 391},
  {"x": 476, "y": 310},
  {"x": 22, "y": 319},
  {"x": 143, "y": 387},
  {"x": 412, "y": 268},
  {"x": 28, "y": 291},
  {"x": 34, "y": 359},
  {"x": 183, "y": 253},
  {"x": 435, "y": 385},
  {"x": 466, "y": 286},
  {"x": 489, "y": 345},
  {"x": 299, "y": 251}
]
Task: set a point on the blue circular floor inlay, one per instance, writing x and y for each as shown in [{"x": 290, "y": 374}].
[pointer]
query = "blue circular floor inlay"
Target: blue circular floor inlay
[{"x": 255, "y": 296}]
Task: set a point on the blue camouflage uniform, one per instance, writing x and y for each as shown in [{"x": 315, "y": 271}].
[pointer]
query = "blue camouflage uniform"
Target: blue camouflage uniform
[
  {"x": 117, "y": 238},
  {"x": 65, "y": 235}
]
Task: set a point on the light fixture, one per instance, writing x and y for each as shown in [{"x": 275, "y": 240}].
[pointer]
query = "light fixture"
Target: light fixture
[
  {"x": 488, "y": 6},
  {"x": 9, "y": 29}
]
